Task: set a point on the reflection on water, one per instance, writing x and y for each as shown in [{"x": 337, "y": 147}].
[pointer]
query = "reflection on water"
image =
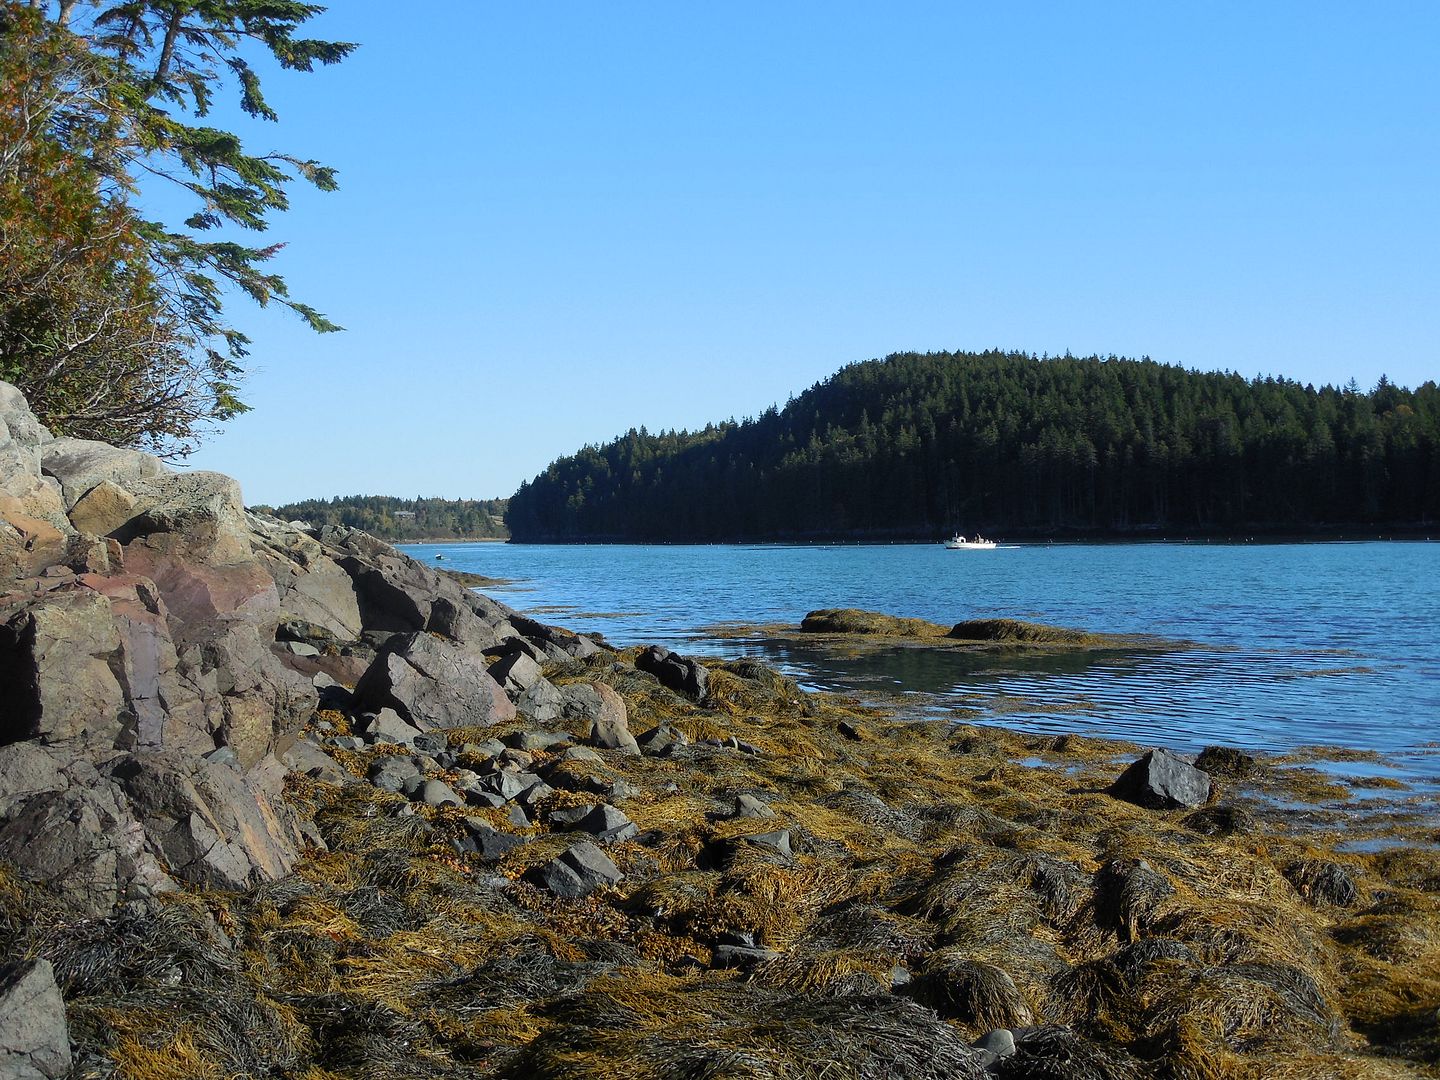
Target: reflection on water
[{"x": 1300, "y": 644}]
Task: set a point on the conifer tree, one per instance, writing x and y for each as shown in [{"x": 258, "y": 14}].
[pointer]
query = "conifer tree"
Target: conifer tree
[{"x": 114, "y": 324}]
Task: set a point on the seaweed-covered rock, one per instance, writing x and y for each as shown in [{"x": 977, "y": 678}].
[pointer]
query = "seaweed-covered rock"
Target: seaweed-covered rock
[
  {"x": 34, "y": 1041},
  {"x": 1220, "y": 820},
  {"x": 1161, "y": 780},
  {"x": 679, "y": 673},
  {"x": 1225, "y": 762},
  {"x": 1323, "y": 883}
]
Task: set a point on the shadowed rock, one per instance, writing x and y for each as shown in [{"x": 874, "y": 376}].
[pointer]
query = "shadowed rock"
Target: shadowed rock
[{"x": 678, "y": 673}]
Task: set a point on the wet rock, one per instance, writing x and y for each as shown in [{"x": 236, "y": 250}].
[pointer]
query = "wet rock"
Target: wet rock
[
  {"x": 576, "y": 872},
  {"x": 678, "y": 673},
  {"x": 432, "y": 682},
  {"x": 1160, "y": 780},
  {"x": 34, "y": 1039}
]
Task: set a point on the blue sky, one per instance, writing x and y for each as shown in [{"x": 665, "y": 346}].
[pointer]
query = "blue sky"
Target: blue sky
[{"x": 558, "y": 221}]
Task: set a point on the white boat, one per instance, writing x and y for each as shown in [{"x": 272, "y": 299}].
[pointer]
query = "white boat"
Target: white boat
[{"x": 960, "y": 543}]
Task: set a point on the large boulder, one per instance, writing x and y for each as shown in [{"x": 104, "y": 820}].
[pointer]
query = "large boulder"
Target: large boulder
[
  {"x": 606, "y": 713},
  {"x": 56, "y": 657},
  {"x": 1161, "y": 780},
  {"x": 433, "y": 682},
  {"x": 678, "y": 673},
  {"x": 25, "y": 492},
  {"x": 310, "y": 586},
  {"x": 80, "y": 464},
  {"x": 198, "y": 515},
  {"x": 34, "y": 1039}
]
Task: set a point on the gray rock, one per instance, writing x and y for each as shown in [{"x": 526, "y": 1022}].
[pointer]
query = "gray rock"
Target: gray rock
[
  {"x": 607, "y": 824},
  {"x": 541, "y": 703},
  {"x": 1160, "y": 780},
  {"x": 531, "y": 796},
  {"x": 675, "y": 672},
  {"x": 530, "y": 741},
  {"x": 999, "y": 1042},
  {"x": 580, "y": 753},
  {"x": 490, "y": 844},
  {"x": 34, "y": 1039},
  {"x": 80, "y": 464},
  {"x": 347, "y": 742},
  {"x": 516, "y": 673},
  {"x": 431, "y": 682},
  {"x": 305, "y": 757},
  {"x": 516, "y": 815},
  {"x": 438, "y": 793},
  {"x": 735, "y": 956},
  {"x": 390, "y": 772},
  {"x": 605, "y": 709},
  {"x": 432, "y": 743},
  {"x": 778, "y": 841},
  {"x": 507, "y": 785},
  {"x": 748, "y": 806},
  {"x": 389, "y": 724},
  {"x": 576, "y": 872},
  {"x": 662, "y": 741}
]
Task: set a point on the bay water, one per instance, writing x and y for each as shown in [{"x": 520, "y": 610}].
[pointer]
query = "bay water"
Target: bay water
[{"x": 1294, "y": 644}]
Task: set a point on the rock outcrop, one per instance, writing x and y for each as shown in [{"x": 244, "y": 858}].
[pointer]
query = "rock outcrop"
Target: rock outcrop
[{"x": 159, "y": 645}]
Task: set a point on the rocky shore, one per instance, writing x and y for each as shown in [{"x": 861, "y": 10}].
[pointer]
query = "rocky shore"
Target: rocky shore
[{"x": 277, "y": 802}]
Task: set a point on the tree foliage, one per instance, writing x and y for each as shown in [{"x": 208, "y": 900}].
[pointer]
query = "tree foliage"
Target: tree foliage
[
  {"x": 915, "y": 446},
  {"x": 391, "y": 518},
  {"x": 114, "y": 324}
]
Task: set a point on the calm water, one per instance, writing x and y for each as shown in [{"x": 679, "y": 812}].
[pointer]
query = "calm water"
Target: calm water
[{"x": 1299, "y": 643}]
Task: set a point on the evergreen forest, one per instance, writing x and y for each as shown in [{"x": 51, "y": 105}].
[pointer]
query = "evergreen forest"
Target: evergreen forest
[
  {"x": 402, "y": 519},
  {"x": 916, "y": 446}
]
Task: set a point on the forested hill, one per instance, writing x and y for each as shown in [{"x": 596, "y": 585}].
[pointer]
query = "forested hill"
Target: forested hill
[
  {"x": 915, "y": 446},
  {"x": 403, "y": 519}
]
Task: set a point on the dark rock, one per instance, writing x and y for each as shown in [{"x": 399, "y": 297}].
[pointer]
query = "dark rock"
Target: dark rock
[
  {"x": 391, "y": 771},
  {"x": 678, "y": 673},
  {"x": 607, "y": 824},
  {"x": 1225, "y": 762},
  {"x": 1160, "y": 780},
  {"x": 1220, "y": 820},
  {"x": 576, "y": 872},
  {"x": 1323, "y": 883},
  {"x": 430, "y": 742},
  {"x": 34, "y": 1040},
  {"x": 490, "y": 844},
  {"x": 662, "y": 741},
  {"x": 431, "y": 682},
  {"x": 849, "y": 730}
]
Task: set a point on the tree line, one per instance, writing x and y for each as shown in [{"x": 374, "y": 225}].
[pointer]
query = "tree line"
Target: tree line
[
  {"x": 918, "y": 445},
  {"x": 400, "y": 520}
]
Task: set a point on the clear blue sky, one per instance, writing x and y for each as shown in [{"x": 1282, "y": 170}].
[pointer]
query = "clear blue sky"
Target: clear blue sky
[{"x": 561, "y": 220}]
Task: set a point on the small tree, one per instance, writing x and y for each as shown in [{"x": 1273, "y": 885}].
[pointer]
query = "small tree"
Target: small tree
[{"x": 113, "y": 324}]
